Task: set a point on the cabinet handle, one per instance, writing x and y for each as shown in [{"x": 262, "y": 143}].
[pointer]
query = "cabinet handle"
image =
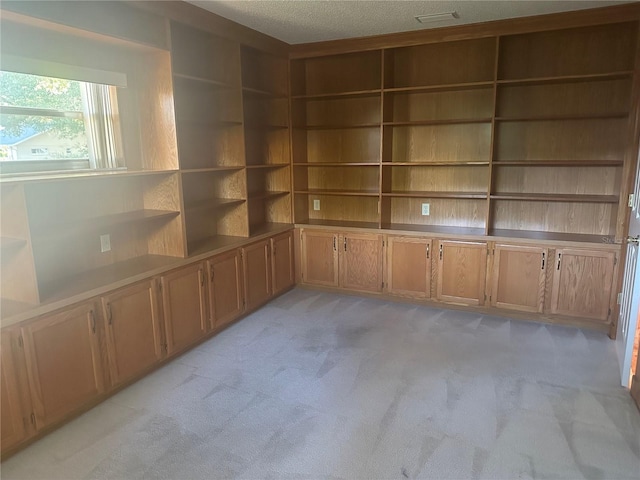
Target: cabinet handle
[
  {"x": 201, "y": 274},
  {"x": 93, "y": 321},
  {"x": 345, "y": 244},
  {"x": 427, "y": 252},
  {"x": 334, "y": 243},
  {"x": 559, "y": 257},
  {"x": 542, "y": 260},
  {"x": 109, "y": 315},
  {"x": 440, "y": 251}
]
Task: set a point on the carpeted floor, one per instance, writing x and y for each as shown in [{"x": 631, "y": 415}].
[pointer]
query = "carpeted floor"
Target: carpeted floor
[{"x": 319, "y": 385}]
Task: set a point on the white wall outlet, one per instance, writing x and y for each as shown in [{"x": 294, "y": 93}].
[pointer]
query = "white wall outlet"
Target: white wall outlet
[
  {"x": 105, "y": 243},
  {"x": 425, "y": 209},
  {"x": 316, "y": 204}
]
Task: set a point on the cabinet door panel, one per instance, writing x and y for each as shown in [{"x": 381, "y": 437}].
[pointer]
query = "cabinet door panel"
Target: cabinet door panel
[
  {"x": 257, "y": 274},
  {"x": 361, "y": 262},
  {"x": 13, "y": 426},
  {"x": 319, "y": 258},
  {"x": 582, "y": 283},
  {"x": 519, "y": 277},
  {"x": 184, "y": 306},
  {"x": 225, "y": 288},
  {"x": 133, "y": 330},
  {"x": 462, "y": 272},
  {"x": 63, "y": 362},
  {"x": 282, "y": 262},
  {"x": 409, "y": 266}
]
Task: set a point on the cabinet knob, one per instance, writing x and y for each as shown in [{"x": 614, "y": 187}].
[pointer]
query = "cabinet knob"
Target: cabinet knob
[
  {"x": 542, "y": 260},
  {"x": 427, "y": 251}
]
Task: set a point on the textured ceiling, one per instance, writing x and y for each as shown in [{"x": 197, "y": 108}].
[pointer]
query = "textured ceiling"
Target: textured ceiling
[{"x": 302, "y": 21}]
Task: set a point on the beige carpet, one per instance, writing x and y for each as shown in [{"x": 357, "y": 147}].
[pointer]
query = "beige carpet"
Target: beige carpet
[{"x": 318, "y": 385}]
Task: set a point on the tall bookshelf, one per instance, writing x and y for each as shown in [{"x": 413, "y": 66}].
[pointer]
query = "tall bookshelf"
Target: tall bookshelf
[
  {"x": 514, "y": 135},
  {"x": 337, "y": 132}
]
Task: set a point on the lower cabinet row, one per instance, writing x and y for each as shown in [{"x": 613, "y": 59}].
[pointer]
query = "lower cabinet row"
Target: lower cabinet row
[
  {"x": 574, "y": 282},
  {"x": 57, "y": 364}
]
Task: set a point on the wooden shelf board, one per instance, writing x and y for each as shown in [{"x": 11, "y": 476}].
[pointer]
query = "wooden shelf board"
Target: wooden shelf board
[
  {"x": 354, "y": 93},
  {"x": 352, "y": 193},
  {"x": 339, "y": 223},
  {"x": 209, "y": 244},
  {"x": 263, "y": 93},
  {"x": 202, "y": 80},
  {"x": 11, "y": 243},
  {"x": 552, "y": 236},
  {"x": 213, "y": 169},
  {"x": 427, "y": 194},
  {"x": 97, "y": 223},
  {"x": 108, "y": 277},
  {"x": 267, "y": 195},
  {"x": 435, "y": 164},
  {"x": 208, "y": 124},
  {"x": 264, "y": 126},
  {"x": 555, "y": 197},
  {"x": 337, "y": 164},
  {"x": 269, "y": 228},
  {"x": 454, "y": 121},
  {"x": 339, "y": 127},
  {"x": 9, "y": 308},
  {"x": 213, "y": 203},
  {"x": 8, "y": 179},
  {"x": 567, "y": 78},
  {"x": 438, "y": 229},
  {"x": 555, "y": 118},
  {"x": 560, "y": 163},
  {"x": 267, "y": 166},
  {"x": 440, "y": 88}
]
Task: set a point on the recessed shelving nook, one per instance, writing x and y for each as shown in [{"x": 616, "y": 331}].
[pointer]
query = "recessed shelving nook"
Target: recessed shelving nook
[{"x": 514, "y": 134}]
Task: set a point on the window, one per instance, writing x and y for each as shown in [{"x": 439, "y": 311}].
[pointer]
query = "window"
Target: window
[{"x": 50, "y": 124}]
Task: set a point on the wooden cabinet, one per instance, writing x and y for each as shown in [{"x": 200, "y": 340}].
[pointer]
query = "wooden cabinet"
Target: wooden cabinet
[
  {"x": 184, "y": 306},
  {"x": 132, "y": 330},
  {"x": 63, "y": 362},
  {"x": 582, "y": 283},
  {"x": 361, "y": 262},
  {"x": 14, "y": 417},
  {"x": 320, "y": 258},
  {"x": 408, "y": 266},
  {"x": 256, "y": 261},
  {"x": 462, "y": 272},
  {"x": 282, "y": 262},
  {"x": 519, "y": 277},
  {"x": 350, "y": 260},
  {"x": 226, "y": 289}
]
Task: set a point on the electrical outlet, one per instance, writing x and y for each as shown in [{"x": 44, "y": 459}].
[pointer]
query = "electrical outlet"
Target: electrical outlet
[
  {"x": 425, "y": 209},
  {"x": 316, "y": 204},
  {"x": 105, "y": 243}
]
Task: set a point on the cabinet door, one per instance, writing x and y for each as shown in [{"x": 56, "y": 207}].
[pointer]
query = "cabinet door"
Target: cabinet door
[
  {"x": 13, "y": 415},
  {"x": 462, "y": 272},
  {"x": 282, "y": 262},
  {"x": 132, "y": 329},
  {"x": 63, "y": 363},
  {"x": 361, "y": 262},
  {"x": 582, "y": 283},
  {"x": 184, "y": 306},
  {"x": 320, "y": 258},
  {"x": 409, "y": 266},
  {"x": 519, "y": 277},
  {"x": 256, "y": 264},
  {"x": 226, "y": 295}
]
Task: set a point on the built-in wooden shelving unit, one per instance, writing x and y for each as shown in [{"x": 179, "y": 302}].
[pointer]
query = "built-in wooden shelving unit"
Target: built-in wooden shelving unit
[{"x": 522, "y": 133}]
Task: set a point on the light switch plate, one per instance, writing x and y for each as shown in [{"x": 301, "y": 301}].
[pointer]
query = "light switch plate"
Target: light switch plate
[
  {"x": 425, "y": 209},
  {"x": 105, "y": 243},
  {"x": 316, "y": 204}
]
